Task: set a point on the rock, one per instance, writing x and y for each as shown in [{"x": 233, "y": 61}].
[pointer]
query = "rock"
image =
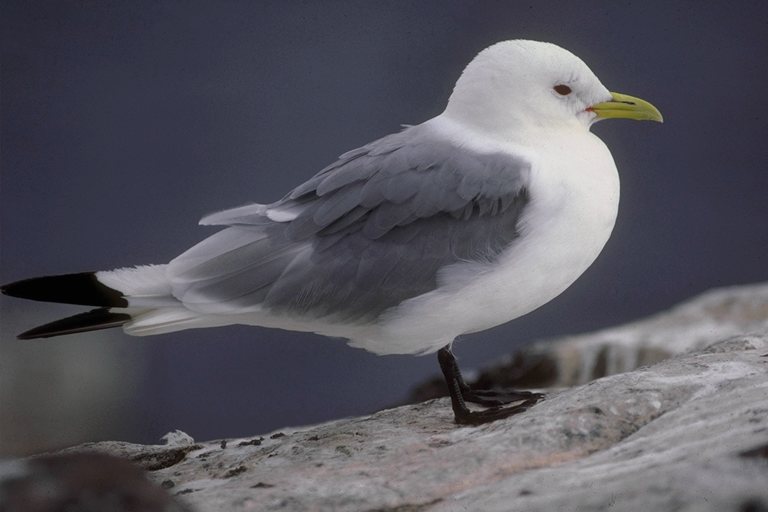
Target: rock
[
  {"x": 80, "y": 482},
  {"x": 690, "y": 433},
  {"x": 176, "y": 445}
]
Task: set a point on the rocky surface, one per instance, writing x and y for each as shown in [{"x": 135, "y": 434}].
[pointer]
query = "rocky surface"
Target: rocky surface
[{"x": 689, "y": 433}]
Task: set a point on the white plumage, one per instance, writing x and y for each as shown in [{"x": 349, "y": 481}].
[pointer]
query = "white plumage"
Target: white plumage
[{"x": 503, "y": 104}]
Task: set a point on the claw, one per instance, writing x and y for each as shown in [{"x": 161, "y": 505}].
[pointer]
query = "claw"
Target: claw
[
  {"x": 461, "y": 393},
  {"x": 490, "y": 398},
  {"x": 468, "y": 417}
]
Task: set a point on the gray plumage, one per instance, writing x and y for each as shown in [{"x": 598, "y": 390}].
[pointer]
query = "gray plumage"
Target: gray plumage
[{"x": 366, "y": 233}]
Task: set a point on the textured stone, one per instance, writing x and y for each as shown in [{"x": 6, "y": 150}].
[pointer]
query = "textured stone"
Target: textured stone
[{"x": 686, "y": 434}]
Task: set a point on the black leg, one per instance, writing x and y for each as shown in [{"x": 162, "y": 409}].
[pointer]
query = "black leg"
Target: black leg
[
  {"x": 486, "y": 397},
  {"x": 461, "y": 393}
]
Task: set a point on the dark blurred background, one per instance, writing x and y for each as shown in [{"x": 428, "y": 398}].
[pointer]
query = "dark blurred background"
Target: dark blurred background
[{"x": 124, "y": 122}]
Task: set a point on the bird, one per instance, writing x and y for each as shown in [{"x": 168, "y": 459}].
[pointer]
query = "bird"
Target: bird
[{"x": 466, "y": 221}]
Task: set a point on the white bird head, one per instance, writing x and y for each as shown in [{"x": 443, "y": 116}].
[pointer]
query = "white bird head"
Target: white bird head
[{"x": 515, "y": 84}]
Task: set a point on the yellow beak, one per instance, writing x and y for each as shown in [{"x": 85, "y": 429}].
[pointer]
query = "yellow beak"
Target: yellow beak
[{"x": 626, "y": 107}]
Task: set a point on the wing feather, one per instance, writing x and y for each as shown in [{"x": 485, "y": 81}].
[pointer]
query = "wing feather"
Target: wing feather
[{"x": 366, "y": 233}]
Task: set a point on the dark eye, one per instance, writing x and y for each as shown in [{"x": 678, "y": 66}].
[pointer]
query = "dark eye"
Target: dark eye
[{"x": 562, "y": 90}]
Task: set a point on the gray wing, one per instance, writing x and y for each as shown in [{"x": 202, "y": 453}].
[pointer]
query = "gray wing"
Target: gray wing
[{"x": 364, "y": 234}]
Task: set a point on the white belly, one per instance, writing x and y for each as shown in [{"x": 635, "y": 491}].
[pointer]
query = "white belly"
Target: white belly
[{"x": 574, "y": 193}]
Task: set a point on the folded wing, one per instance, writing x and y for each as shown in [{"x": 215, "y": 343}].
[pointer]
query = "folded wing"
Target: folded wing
[{"x": 364, "y": 234}]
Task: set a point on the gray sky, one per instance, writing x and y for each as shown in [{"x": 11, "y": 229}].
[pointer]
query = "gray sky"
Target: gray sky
[{"x": 124, "y": 122}]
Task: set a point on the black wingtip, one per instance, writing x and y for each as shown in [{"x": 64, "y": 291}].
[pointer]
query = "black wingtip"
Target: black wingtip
[
  {"x": 82, "y": 288},
  {"x": 93, "y": 320}
]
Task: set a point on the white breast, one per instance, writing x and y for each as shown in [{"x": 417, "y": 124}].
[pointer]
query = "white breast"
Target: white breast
[{"x": 574, "y": 193}]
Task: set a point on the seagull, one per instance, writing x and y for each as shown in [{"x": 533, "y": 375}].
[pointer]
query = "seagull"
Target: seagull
[{"x": 466, "y": 221}]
